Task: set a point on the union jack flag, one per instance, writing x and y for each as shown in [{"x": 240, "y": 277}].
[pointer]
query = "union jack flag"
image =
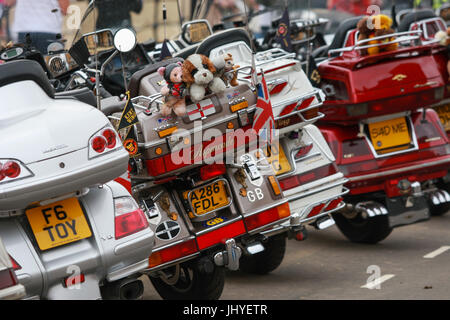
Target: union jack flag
[{"x": 264, "y": 122}]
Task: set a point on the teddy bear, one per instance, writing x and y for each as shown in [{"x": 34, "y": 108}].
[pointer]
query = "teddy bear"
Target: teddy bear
[
  {"x": 174, "y": 91},
  {"x": 444, "y": 40},
  {"x": 225, "y": 66},
  {"x": 200, "y": 75},
  {"x": 376, "y": 26}
]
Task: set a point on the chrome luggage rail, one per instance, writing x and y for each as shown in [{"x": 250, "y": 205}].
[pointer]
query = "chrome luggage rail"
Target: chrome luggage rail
[{"x": 400, "y": 37}]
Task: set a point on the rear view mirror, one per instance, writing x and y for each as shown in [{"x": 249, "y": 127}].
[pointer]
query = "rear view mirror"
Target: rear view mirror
[
  {"x": 99, "y": 41},
  {"x": 125, "y": 40},
  {"x": 196, "y": 31}
]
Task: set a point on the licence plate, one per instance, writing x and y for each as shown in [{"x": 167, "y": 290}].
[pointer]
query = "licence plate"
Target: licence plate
[
  {"x": 444, "y": 115},
  {"x": 389, "y": 133},
  {"x": 58, "y": 223},
  {"x": 208, "y": 198},
  {"x": 277, "y": 158}
]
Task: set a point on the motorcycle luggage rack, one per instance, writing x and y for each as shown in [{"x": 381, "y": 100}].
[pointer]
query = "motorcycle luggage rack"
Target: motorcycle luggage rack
[
  {"x": 400, "y": 37},
  {"x": 422, "y": 25}
]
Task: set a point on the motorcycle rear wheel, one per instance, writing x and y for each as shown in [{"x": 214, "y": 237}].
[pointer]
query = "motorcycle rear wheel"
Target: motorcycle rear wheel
[
  {"x": 360, "y": 230},
  {"x": 191, "y": 284},
  {"x": 267, "y": 260}
]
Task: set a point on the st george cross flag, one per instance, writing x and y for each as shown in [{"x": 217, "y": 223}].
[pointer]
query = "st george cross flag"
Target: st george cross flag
[
  {"x": 201, "y": 109},
  {"x": 264, "y": 122}
]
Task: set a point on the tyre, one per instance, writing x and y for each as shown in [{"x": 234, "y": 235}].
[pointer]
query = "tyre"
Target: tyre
[
  {"x": 267, "y": 260},
  {"x": 363, "y": 230},
  {"x": 189, "y": 283}
]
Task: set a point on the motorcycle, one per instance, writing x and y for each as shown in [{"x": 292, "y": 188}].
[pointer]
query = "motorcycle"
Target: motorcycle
[
  {"x": 387, "y": 141},
  {"x": 10, "y": 288},
  {"x": 71, "y": 231}
]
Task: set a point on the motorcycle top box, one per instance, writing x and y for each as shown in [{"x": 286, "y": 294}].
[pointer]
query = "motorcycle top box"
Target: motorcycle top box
[
  {"x": 360, "y": 86},
  {"x": 54, "y": 160}
]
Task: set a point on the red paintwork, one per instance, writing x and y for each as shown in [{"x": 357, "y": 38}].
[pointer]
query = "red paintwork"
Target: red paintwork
[
  {"x": 369, "y": 79},
  {"x": 364, "y": 162}
]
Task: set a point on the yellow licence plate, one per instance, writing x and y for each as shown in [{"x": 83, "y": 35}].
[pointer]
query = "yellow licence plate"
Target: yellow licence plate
[
  {"x": 58, "y": 223},
  {"x": 208, "y": 198},
  {"x": 444, "y": 115},
  {"x": 389, "y": 133},
  {"x": 277, "y": 158}
]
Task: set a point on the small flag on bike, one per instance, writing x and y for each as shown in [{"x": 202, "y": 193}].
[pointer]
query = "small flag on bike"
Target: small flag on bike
[
  {"x": 313, "y": 72},
  {"x": 264, "y": 122},
  {"x": 129, "y": 116},
  {"x": 283, "y": 36},
  {"x": 130, "y": 143},
  {"x": 165, "y": 52}
]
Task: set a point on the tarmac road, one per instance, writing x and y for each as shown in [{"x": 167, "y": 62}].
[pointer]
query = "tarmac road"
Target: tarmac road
[{"x": 413, "y": 263}]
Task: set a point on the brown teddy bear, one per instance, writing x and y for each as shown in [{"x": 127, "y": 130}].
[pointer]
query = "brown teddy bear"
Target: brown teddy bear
[
  {"x": 444, "y": 40},
  {"x": 376, "y": 26},
  {"x": 175, "y": 91},
  {"x": 225, "y": 66}
]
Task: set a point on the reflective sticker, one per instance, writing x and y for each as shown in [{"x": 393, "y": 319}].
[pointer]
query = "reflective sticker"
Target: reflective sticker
[
  {"x": 215, "y": 221},
  {"x": 167, "y": 230}
]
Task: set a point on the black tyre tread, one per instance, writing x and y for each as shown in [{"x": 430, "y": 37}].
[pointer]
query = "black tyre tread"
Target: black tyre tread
[
  {"x": 375, "y": 230},
  {"x": 268, "y": 260},
  {"x": 207, "y": 286},
  {"x": 439, "y": 210}
]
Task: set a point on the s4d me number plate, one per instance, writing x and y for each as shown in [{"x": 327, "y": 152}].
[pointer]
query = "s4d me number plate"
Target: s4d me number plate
[
  {"x": 389, "y": 133},
  {"x": 58, "y": 223}
]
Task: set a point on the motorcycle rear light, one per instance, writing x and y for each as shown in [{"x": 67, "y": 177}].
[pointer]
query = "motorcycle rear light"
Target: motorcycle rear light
[
  {"x": 73, "y": 280},
  {"x": 11, "y": 169},
  {"x": 355, "y": 150},
  {"x": 211, "y": 171},
  {"x": 220, "y": 235},
  {"x": 313, "y": 175},
  {"x": 266, "y": 217},
  {"x": 129, "y": 219},
  {"x": 7, "y": 278},
  {"x": 110, "y": 137},
  {"x": 303, "y": 151},
  {"x": 172, "y": 253},
  {"x": 274, "y": 184},
  {"x": 99, "y": 144}
]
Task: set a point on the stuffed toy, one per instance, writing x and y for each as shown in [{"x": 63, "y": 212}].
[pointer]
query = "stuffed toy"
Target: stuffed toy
[
  {"x": 199, "y": 74},
  {"x": 376, "y": 26},
  {"x": 444, "y": 40},
  {"x": 174, "y": 91},
  {"x": 225, "y": 66}
]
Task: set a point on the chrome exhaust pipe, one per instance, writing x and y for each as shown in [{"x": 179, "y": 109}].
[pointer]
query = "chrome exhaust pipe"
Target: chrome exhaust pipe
[
  {"x": 439, "y": 196},
  {"x": 371, "y": 209}
]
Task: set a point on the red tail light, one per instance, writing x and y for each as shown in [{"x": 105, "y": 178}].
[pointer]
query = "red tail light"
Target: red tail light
[
  {"x": 7, "y": 278},
  {"x": 129, "y": 218},
  {"x": 268, "y": 216},
  {"x": 316, "y": 174},
  {"x": 99, "y": 144},
  {"x": 13, "y": 169},
  {"x": 303, "y": 151},
  {"x": 172, "y": 253},
  {"x": 110, "y": 137},
  {"x": 213, "y": 170}
]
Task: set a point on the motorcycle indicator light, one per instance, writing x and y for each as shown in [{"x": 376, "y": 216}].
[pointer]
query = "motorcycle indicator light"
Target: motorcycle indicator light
[
  {"x": 274, "y": 184},
  {"x": 129, "y": 219}
]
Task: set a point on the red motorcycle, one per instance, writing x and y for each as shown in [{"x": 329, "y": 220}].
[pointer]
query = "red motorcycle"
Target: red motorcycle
[{"x": 392, "y": 149}]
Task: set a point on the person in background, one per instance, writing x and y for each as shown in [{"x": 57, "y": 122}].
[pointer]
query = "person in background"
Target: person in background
[
  {"x": 42, "y": 20},
  {"x": 354, "y": 7},
  {"x": 219, "y": 9},
  {"x": 116, "y": 13}
]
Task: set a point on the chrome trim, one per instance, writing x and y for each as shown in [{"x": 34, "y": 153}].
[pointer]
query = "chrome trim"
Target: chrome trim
[
  {"x": 399, "y": 170},
  {"x": 405, "y": 36},
  {"x": 424, "y": 29},
  {"x": 318, "y": 189},
  {"x": 227, "y": 187}
]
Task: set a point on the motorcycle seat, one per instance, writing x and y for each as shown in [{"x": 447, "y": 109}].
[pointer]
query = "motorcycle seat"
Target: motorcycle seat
[
  {"x": 84, "y": 95},
  {"x": 223, "y": 37},
  {"x": 23, "y": 70},
  {"x": 414, "y": 16}
]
